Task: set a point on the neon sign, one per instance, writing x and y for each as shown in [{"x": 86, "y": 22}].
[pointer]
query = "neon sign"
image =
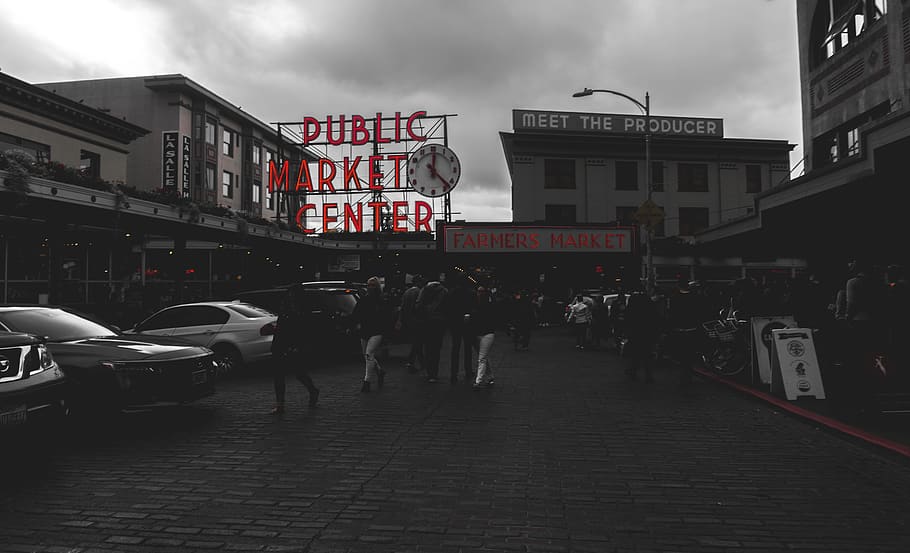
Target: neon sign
[{"x": 370, "y": 174}]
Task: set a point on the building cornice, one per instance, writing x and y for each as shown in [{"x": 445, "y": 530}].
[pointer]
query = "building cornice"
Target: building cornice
[{"x": 34, "y": 99}]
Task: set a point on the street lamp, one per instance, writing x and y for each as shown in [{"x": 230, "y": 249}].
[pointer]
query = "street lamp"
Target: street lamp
[{"x": 646, "y": 109}]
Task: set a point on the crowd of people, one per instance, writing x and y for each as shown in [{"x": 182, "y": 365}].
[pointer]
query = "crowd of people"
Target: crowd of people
[
  {"x": 421, "y": 316},
  {"x": 859, "y": 321}
]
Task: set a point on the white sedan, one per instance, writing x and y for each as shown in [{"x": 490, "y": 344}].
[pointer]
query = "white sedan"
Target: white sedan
[{"x": 238, "y": 333}]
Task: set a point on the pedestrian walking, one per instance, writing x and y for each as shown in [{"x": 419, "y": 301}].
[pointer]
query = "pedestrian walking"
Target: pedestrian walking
[
  {"x": 482, "y": 321},
  {"x": 372, "y": 317},
  {"x": 521, "y": 319},
  {"x": 580, "y": 318},
  {"x": 431, "y": 317},
  {"x": 686, "y": 313},
  {"x": 409, "y": 326},
  {"x": 642, "y": 330},
  {"x": 291, "y": 347},
  {"x": 459, "y": 305}
]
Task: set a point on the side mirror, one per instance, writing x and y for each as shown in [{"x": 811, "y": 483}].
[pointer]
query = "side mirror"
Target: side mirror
[{"x": 116, "y": 329}]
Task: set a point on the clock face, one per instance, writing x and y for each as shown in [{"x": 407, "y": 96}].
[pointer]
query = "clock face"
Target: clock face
[{"x": 433, "y": 170}]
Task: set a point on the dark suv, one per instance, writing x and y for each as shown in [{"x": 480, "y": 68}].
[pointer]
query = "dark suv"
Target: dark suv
[
  {"x": 30, "y": 380},
  {"x": 330, "y": 304}
]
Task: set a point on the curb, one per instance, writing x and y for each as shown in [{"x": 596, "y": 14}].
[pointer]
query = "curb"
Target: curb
[{"x": 823, "y": 420}]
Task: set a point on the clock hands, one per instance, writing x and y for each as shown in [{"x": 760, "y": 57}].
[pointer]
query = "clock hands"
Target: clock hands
[{"x": 435, "y": 174}]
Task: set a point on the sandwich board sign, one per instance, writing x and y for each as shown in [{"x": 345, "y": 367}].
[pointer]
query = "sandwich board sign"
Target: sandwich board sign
[
  {"x": 761, "y": 342},
  {"x": 794, "y": 365}
]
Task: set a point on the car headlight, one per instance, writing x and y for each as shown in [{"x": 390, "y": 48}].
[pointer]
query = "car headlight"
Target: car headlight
[{"x": 45, "y": 359}]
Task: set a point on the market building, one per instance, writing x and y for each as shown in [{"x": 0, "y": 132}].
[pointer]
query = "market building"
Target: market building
[
  {"x": 570, "y": 168},
  {"x": 854, "y": 59},
  {"x": 199, "y": 144},
  {"x": 76, "y": 230}
]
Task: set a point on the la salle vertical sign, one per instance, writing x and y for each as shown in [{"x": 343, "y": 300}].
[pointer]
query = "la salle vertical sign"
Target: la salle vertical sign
[
  {"x": 169, "y": 164},
  {"x": 187, "y": 151}
]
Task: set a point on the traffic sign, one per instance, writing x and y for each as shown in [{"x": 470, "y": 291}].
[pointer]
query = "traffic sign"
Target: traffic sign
[{"x": 649, "y": 214}]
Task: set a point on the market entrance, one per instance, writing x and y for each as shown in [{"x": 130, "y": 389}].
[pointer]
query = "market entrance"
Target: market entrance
[{"x": 554, "y": 261}]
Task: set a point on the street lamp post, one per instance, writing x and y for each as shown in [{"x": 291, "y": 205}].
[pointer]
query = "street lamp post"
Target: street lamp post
[{"x": 646, "y": 108}]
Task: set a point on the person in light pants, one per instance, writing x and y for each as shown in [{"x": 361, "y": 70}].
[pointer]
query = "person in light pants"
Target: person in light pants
[
  {"x": 372, "y": 316},
  {"x": 482, "y": 321}
]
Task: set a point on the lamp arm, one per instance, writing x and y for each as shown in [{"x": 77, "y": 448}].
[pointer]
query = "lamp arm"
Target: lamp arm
[{"x": 641, "y": 106}]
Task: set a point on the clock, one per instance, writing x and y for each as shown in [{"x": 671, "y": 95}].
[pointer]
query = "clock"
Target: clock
[{"x": 433, "y": 170}]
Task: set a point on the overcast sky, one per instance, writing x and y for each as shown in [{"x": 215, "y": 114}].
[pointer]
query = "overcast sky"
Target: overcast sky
[{"x": 282, "y": 60}]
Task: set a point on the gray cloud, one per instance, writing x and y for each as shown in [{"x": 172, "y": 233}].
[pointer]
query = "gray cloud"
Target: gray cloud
[{"x": 283, "y": 59}]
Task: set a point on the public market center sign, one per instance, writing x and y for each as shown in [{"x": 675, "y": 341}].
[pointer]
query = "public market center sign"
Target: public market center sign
[{"x": 605, "y": 123}]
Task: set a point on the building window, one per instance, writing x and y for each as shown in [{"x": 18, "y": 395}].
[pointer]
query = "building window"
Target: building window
[
  {"x": 90, "y": 164},
  {"x": 753, "y": 179},
  {"x": 257, "y": 155},
  {"x": 209, "y": 132},
  {"x": 837, "y": 23},
  {"x": 210, "y": 178},
  {"x": 227, "y": 143},
  {"x": 693, "y": 177},
  {"x": 257, "y": 192},
  {"x": 625, "y": 215},
  {"x": 692, "y": 220},
  {"x": 560, "y": 214},
  {"x": 270, "y": 200},
  {"x": 227, "y": 184},
  {"x": 41, "y": 152},
  {"x": 559, "y": 173},
  {"x": 852, "y": 142},
  {"x": 657, "y": 176},
  {"x": 626, "y": 175}
]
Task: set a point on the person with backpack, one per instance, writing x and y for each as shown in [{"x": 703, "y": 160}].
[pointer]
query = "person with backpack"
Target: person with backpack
[
  {"x": 431, "y": 318},
  {"x": 289, "y": 347}
]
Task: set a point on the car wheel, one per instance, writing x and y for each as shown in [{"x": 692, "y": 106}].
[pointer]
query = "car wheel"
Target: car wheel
[{"x": 228, "y": 359}]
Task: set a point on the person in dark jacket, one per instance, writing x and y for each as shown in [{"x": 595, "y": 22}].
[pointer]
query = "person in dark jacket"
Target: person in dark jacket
[
  {"x": 459, "y": 304},
  {"x": 431, "y": 317},
  {"x": 686, "y": 313},
  {"x": 482, "y": 322},
  {"x": 290, "y": 345},
  {"x": 373, "y": 318},
  {"x": 409, "y": 324},
  {"x": 642, "y": 324},
  {"x": 521, "y": 318}
]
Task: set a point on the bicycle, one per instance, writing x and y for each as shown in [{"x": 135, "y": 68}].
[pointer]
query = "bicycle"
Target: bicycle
[{"x": 729, "y": 346}]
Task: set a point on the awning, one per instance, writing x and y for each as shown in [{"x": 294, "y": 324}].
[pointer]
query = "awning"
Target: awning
[{"x": 843, "y": 19}]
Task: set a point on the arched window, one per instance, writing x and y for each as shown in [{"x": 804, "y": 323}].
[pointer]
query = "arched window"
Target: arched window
[{"x": 837, "y": 23}]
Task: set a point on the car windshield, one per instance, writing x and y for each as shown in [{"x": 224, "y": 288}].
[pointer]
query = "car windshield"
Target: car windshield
[
  {"x": 249, "y": 311},
  {"x": 57, "y": 324}
]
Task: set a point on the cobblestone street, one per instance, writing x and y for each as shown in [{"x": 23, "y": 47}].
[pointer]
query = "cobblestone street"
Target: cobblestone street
[{"x": 561, "y": 455}]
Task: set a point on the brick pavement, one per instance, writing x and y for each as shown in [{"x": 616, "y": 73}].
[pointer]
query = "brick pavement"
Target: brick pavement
[{"x": 562, "y": 455}]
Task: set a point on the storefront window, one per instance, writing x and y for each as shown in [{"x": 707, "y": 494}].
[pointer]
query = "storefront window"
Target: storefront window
[{"x": 28, "y": 258}]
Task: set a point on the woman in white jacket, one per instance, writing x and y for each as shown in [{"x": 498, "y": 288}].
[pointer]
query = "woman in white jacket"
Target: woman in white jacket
[{"x": 580, "y": 319}]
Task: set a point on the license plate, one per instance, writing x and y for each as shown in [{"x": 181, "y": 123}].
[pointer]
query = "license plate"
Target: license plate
[
  {"x": 200, "y": 377},
  {"x": 16, "y": 415}
]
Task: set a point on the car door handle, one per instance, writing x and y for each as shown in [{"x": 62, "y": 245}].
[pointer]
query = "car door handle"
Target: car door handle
[{"x": 209, "y": 332}]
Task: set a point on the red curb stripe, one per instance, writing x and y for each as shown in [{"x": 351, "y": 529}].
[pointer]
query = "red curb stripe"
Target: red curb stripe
[{"x": 900, "y": 449}]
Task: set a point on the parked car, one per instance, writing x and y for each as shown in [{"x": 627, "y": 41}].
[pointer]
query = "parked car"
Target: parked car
[
  {"x": 330, "y": 306},
  {"x": 30, "y": 379},
  {"x": 106, "y": 369},
  {"x": 239, "y": 333}
]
